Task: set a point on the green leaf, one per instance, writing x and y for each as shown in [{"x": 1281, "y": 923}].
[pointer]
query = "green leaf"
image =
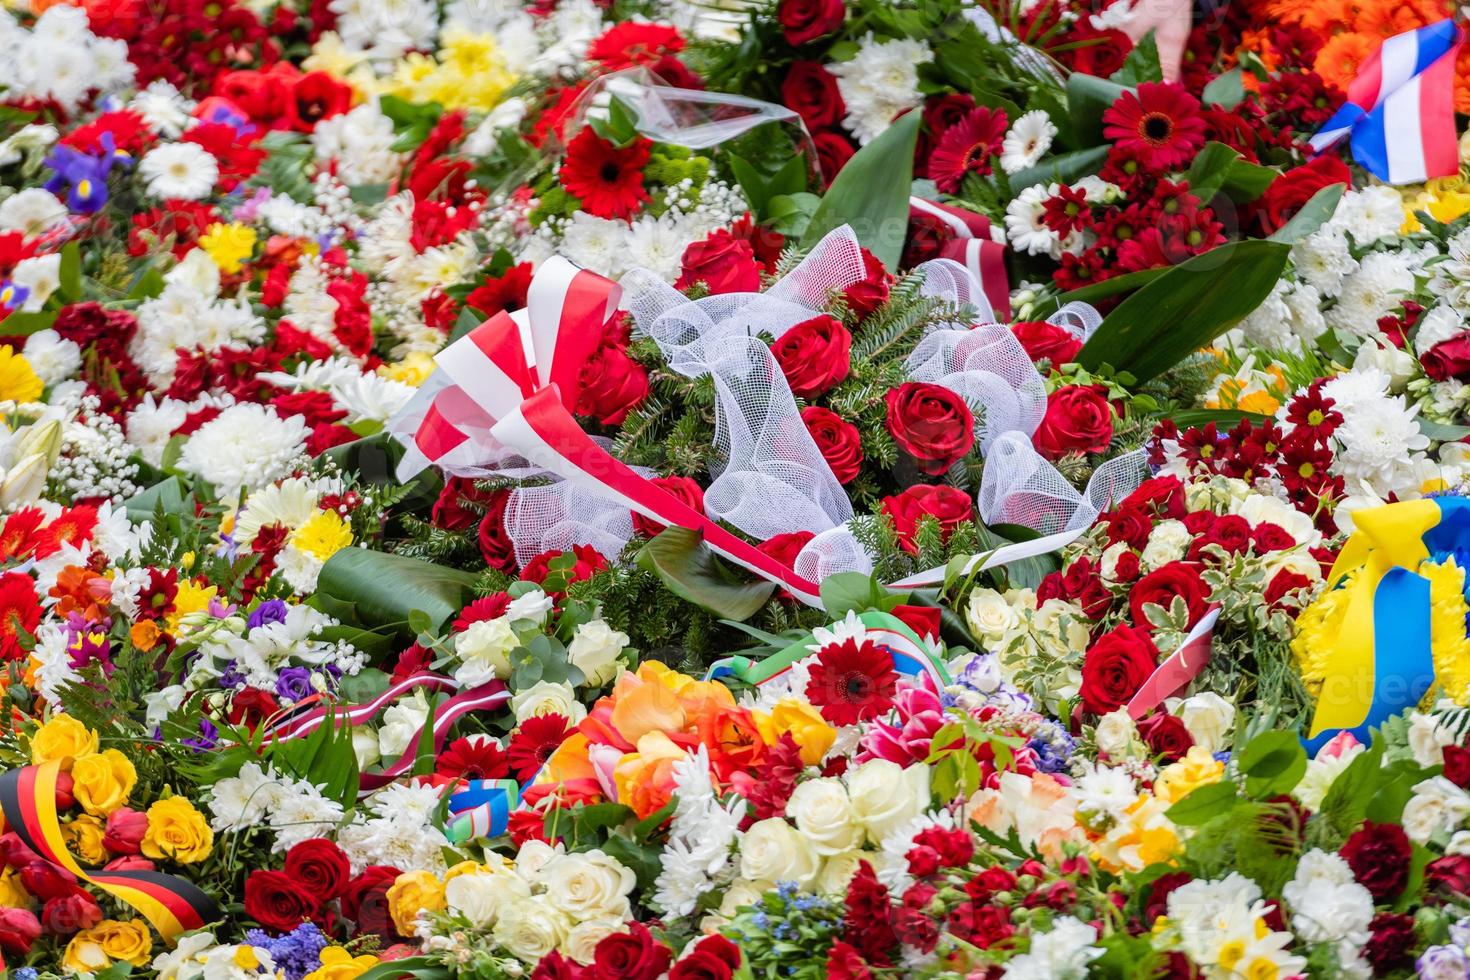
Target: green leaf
[
  {"x": 147, "y": 284},
  {"x": 1065, "y": 168},
  {"x": 851, "y": 591},
  {"x": 386, "y": 588},
  {"x": 692, "y": 572},
  {"x": 872, "y": 193},
  {"x": 70, "y": 274},
  {"x": 790, "y": 214},
  {"x": 1273, "y": 763},
  {"x": 1087, "y": 97},
  {"x": 1186, "y": 308},
  {"x": 170, "y": 493},
  {"x": 418, "y": 967},
  {"x": 1207, "y": 174},
  {"x": 1222, "y": 417},
  {"x": 1204, "y": 804},
  {"x": 1227, "y": 90},
  {"x": 1246, "y": 181},
  {"x": 1313, "y": 215},
  {"x": 641, "y": 858},
  {"x": 1443, "y": 431},
  {"x": 1142, "y": 63},
  {"x": 23, "y": 324},
  {"x": 1348, "y": 797},
  {"x": 1127, "y": 282}
]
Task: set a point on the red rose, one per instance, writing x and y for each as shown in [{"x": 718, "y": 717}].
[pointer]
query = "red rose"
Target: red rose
[
  {"x": 833, "y": 152},
  {"x": 613, "y": 384},
  {"x": 785, "y": 547},
  {"x": 1078, "y": 420},
  {"x": 250, "y": 707},
  {"x": 1161, "y": 585},
  {"x": 931, "y": 423},
  {"x": 870, "y": 292},
  {"x": 1229, "y": 532},
  {"x": 1282, "y": 584},
  {"x": 554, "y": 966},
  {"x": 317, "y": 96},
  {"x": 838, "y": 440},
  {"x": 815, "y": 355},
  {"x": 1449, "y": 874},
  {"x": 631, "y": 955},
  {"x": 1127, "y": 567},
  {"x": 1291, "y": 190},
  {"x": 811, "y": 92},
  {"x": 278, "y": 901},
  {"x": 923, "y": 620},
  {"x": 495, "y": 544},
  {"x": 950, "y": 506},
  {"x": 320, "y": 865},
  {"x": 712, "y": 958},
  {"x": 1131, "y": 525},
  {"x": 1115, "y": 667},
  {"x": 1047, "y": 340},
  {"x": 1268, "y": 537},
  {"x": 365, "y": 900},
  {"x": 123, "y": 833},
  {"x": 1082, "y": 583},
  {"x": 807, "y": 20},
  {"x": 1448, "y": 359},
  {"x": 1379, "y": 855},
  {"x": 1165, "y": 735},
  {"x": 1457, "y": 765},
  {"x": 18, "y": 929},
  {"x": 681, "y": 487},
  {"x": 449, "y": 512},
  {"x": 724, "y": 263},
  {"x": 588, "y": 563},
  {"x": 1162, "y": 495}
]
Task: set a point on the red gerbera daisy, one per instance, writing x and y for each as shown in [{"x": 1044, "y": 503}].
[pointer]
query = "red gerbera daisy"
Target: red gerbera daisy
[
  {"x": 19, "y": 538},
  {"x": 852, "y": 681},
  {"x": 473, "y": 759},
  {"x": 966, "y": 147},
  {"x": 535, "y": 741},
  {"x": 607, "y": 179},
  {"x": 1160, "y": 125},
  {"x": 20, "y": 609},
  {"x": 72, "y": 526},
  {"x": 631, "y": 43},
  {"x": 482, "y": 610}
]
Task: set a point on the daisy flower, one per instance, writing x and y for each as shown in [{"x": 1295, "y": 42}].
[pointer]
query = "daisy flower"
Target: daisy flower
[
  {"x": 1160, "y": 125},
  {"x": 966, "y": 148},
  {"x": 608, "y": 179},
  {"x": 1027, "y": 142},
  {"x": 852, "y": 680},
  {"x": 182, "y": 171}
]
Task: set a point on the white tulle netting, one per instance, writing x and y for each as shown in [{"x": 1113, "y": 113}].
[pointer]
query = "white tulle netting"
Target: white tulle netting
[
  {"x": 1020, "y": 487},
  {"x": 558, "y": 515},
  {"x": 770, "y": 478},
  {"x": 987, "y": 367}
]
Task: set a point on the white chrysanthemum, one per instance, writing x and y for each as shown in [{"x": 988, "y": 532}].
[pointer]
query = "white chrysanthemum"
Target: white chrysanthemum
[
  {"x": 244, "y": 447},
  {"x": 595, "y": 243},
  {"x": 1435, "y": 327},
  {"x": 1268, "y": 325},
  {"x": 1061, "y": 954},
  {"x": 301, "y": 813},
  {"x": 1106, "y": 791},
  {"x": 1324, "y": 260},
  {"x": 241, "y": 802},
  {"x": 1304, "y": 303},
  {"x": 1382, "y": 281},
  {"x": 657, "y": 244},
  {"x": 361, "y": 141},
  {"x": 880, "y": 81},
  {"x": 52, "y": 357},
  {"x": 1026, "y": 225},
  {"x": 289, "y": 503},
  {"x": 1327, "y": 903},
  {"x": 32, "y": 212},
  {"x": 386, "y": 29},
  {"x": 1027, "y": 142},
  {"x": 185, "y": 171},
  {"x": 1370, "y": 214}
]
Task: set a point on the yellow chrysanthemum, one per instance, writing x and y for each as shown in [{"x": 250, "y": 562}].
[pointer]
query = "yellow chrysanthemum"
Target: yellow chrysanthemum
[
  {"x": 1316, "y": 634},
  {"x": 228, "y": 245},
  {"x": 1448, "y": 643},
  {"x": 412, "y": 370},
  {"x": 323, "y": 535},
  {"x": 17, "y": 381}
]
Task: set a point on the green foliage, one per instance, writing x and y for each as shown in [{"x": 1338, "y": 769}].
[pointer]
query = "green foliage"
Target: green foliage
[
  {"x": 383, "y": 589},
  {"x": 871, "y": 193},
  {"x": 680, "y": 558},
  {"x": 284, "y": 168}
]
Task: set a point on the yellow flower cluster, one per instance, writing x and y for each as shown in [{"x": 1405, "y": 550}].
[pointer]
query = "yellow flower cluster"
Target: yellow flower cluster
[
  {"x": 1444, "y": 199},
  {"x": 1448, "y": 643},
  {"x": 467, "y": 72},
  {"x": 339, "y": 964},
  {"x": 228, "y": 245},
  {"x": 323, "y": 535},
  {"x": 109, "y": 941},
  {"x": 1316, "y": 634}
]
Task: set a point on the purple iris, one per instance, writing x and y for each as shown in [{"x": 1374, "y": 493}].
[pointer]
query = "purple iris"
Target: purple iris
[
  {"x": 269, "y": 611},
  {"x": 13, "y": 296},
  {"x": 293, "y": 683},
  {"x": 84, "y": 175}
]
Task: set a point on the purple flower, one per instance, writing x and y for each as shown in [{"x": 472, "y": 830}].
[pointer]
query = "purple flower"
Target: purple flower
[
  {"x": 83, "y": 175},
  {"x": 230, "y": 678},
  {"x": 269, "y": 611},
  {"x": 1443, "y": 963},
  {"x": 12, "y": 296},
  {"x": 208, "y": 737},
  {"x": 297, "y": 952},
  {"x": 294, "y": 683}
]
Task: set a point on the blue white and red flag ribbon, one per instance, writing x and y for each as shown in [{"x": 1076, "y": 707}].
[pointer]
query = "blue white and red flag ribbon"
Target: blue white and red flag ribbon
[{"x": 1400, "y": 116}]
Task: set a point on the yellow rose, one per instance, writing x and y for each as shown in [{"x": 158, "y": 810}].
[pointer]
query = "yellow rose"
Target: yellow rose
[
  {"x": 338, "y": 964},
  {"x": 108, "y": 942},
  {"x": 804, "y": 724},
  {"x": 462, "y": 868},
  {"x": 84, "y": 836},
  {"x": 103, "y": 781},
  {"x": 60, "y": 737},
  {"x": 413, "y": 892},
  {"x": 13, "y": 894},
  {"x": 1197, "y": 768},
  {"x": 177, "y": 830},
  {"x": 84, "y": 954}
]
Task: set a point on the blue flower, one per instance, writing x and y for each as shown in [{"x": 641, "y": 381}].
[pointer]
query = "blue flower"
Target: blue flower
[
  {"x": 83, "y": 175},
  {"x": 13, "y": 296}
]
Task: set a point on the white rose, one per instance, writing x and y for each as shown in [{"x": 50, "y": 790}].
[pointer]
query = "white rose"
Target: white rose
[
  {"x": 1050, "y": 632},
  {"x": 529, "y": 930},
  {"x": 1167, "y": 543},
  {"x": 479, "y": 897},
  {"x": 1116, "y": 734},
  {"x": 740, "y": 894},
  {"x": 885, "y": 795},
  {"x": 484, "y": 651},
  {"x": 547, "y": 698},
  {"x": 773, "y": 851},
  {"x": 589, "y": 885},
  {"x": 1395, "y": 363},
  {"x": 365, "y": 747},
  {"x": 582, "y": 939},
  {"x": 1437, "y": 805},
  {"x": 1459, "y": 843},
  {"x": 594, "y": 651},
  {"x": 1258, "y": 509},
  {"x": 1110, "y": 557},
  {"x": 1208, "y": 718},
  {"x": 533, "y": 605},
  {"x": 1321, "y": 773},
  {"x": 1427, "y": 739},
  {"x": 534, "y": 856},
  {"x": 837, "y": 871},
  {"x": 401, "y": 723},
  {"x": 990, "y": 616},
  {"x": 823, "y": 813},
  {"x": 1214, "y": 493}
]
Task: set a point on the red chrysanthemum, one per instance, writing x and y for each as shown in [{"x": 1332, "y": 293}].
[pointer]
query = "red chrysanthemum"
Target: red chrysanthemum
[
  {"x": 631, "y": 43},
  {"x": 966, "y": 148},
  {"x": 473, "y": 759},
  {"x": 534, "y": 742},
  {"x": 852, "y": 681},
  {"x": 482, "y": 610},
  {"x": 607, "y": 179},
  {"x": 1067, "y": 211},
  {"x": 1160, "y": 125},
  {"x": 20, "y": 609}
]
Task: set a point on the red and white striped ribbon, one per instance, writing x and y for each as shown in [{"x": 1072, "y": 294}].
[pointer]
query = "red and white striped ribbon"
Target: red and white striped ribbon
[
  {"x": 1178, "y": 670},
  {"x": 973, "y": 246}
]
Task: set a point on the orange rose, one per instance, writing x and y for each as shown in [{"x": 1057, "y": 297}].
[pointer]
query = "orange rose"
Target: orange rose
[
  {"x": 645, "y": 779},
  {"x": 647, "y": 708},
  {"x": 733, "y": 739}
]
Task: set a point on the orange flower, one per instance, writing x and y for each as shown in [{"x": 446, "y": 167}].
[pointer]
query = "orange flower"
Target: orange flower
[
  {"x": 1385, "y": 20},
  {"x": 81, "y": 591},
  {"x": 1462, "y": 81},
  {"x": 645, "y": 779},
  {"x": 1339, "y": 59},
  {"x": 733, "y": 739},
  {"x": 647, "y": 708},
  {"x": 144, "y": 634}
]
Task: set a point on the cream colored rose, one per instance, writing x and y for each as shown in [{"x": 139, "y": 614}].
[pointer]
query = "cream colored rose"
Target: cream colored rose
[
  {"x": 1428, "y": 738},
  {"x": 589, "y": 885},
  {"x": 484, "y": 651},
  {"x": 990, "y": 616},
  {"x": 1061, "y": 627},
  {"x": 534, "y": 856},
  {"x": 824, "y": 813},
  {"x": 582, "y": 938},
  {"x": 547, "y": 698},
  {"x": 774, "y": 851},
  {"x": 401, "y": 724},
  {"x": 837, "y": 871},
  {"x": 531, "y": 606},
  {"x": 1295, "y": 560},
  {"x": 479, "y": 897},
  {"x": 365, "y": 747},
  {"x": 1168, "y": 542},
  {"x": 1437, "y": 805},
  {"x": 885, "y": 795},
  {"x": 594, "y": 651},
  {"x": 740, "y": 894},
  {"x": 529, "y": 930},
  {"x": 1110, "y": 558},
  {"x": 1208, "y": 719},
  {"x": 1117, "y": 735}
]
